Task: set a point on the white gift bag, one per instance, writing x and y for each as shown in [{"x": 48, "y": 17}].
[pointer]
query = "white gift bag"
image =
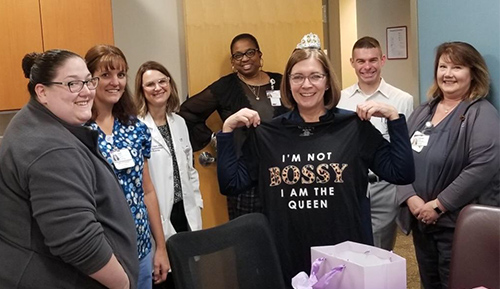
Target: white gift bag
[
  {"x": 366, "y": 267},
  {"x": 302, "y": 281}
]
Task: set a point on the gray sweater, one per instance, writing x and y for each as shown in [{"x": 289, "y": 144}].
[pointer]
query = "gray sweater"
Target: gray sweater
[
  {"x": 462, "y": 165},
  {"x": 62, "y": 210}
]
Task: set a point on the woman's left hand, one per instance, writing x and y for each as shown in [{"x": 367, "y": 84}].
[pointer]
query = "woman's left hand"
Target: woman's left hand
[
  {"x": 371, "y": 108},
  {"x": 243, "y": 117},
  {"x": 161, "y": 265},
  {"x": 427, "y": 214}
]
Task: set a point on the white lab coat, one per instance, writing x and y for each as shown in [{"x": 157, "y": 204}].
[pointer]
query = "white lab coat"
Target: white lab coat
[{"x": 162, "y": 173}]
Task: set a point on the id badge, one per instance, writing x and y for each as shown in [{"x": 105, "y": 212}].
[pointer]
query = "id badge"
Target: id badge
[
  {"x": 274, "y": 96},
  {"x": 122, "y": 159},
  {"x": 419, "y": 141}
]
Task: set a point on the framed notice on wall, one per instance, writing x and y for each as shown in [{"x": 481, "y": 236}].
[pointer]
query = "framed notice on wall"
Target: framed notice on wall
[{"x": 397, "y": 42}]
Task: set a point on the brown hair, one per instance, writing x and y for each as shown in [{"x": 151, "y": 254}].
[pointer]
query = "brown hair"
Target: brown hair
[
  {"x": 173, "y": 102},
  {"x": 111, "y": 57},
  {"x": 463, "y": 53},
  {"x": 366, "y": 42},
  {"x": 332, "y": 95}
]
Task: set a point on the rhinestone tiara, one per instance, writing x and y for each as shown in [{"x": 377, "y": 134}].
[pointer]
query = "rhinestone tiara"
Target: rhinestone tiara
[{"x": 310, "y": 40}]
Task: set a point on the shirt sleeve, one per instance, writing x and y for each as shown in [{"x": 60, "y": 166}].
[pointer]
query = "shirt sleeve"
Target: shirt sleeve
[
  {"x": 404, "y": 193},
  {"x": 195, "y": 111},
  {"x": 63, "y": 204},
  {"x": 408, "y": 107},
  {"x": 393, "y": 161},
  {"x": 233, "y": 174},
  {"x": 482, "y": 163}
]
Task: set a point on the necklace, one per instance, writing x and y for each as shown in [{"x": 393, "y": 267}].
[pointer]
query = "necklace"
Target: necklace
[
  {"x": 447, "y": 110},
  {"x": 254, "y": 89}
]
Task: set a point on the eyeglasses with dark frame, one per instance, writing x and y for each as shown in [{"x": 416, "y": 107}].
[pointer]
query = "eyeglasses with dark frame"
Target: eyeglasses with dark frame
[
  {"x": 77, "y": 85},
  {"x": 162, "y": 82},
  {"x": 299, "y": 79},
  {"x": 249, "y": 53}
]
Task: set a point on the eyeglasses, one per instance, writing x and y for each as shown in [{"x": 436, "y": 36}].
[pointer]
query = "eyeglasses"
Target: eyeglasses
[
  {"x": 77, "y": 85},
  {"x": 162, "y": 82},
  {"x": 314, "y": 78},
  {"x": 249, "y": 53}
]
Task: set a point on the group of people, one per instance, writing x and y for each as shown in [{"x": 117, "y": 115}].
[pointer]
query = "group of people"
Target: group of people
[
  {"x": 322, "y": 175},
  {"x": 98, "y": 177}
]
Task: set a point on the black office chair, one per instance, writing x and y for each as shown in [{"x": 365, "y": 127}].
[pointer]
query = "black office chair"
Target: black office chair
[
  {"x": 475, "y": 258},
  {"x": 240, "y": 254}
]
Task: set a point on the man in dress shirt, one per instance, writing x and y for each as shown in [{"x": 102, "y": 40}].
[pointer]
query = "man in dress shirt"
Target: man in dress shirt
[{"x": 368, "y": 60}]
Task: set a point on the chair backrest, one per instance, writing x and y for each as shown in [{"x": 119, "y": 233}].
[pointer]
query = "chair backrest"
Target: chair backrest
[
  {"x": 240, "y": 254},
  {"x": 475, "y": 258}
]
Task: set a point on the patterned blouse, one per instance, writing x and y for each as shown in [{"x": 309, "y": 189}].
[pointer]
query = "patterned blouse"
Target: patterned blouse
[{"x": 137, "y": 139}]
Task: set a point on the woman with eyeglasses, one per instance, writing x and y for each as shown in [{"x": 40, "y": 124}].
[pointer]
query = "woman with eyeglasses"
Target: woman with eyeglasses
[
  {"x": 171, "y": 164},
  {"x": 64, "y": 222},
  {"x": 311, "y": 164},
  {"x": 125, "y": 142},
  {"x": 248, "y": 86}
]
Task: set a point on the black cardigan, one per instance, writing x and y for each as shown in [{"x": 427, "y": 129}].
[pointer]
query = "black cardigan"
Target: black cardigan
[{"x": 225, "y": 95}]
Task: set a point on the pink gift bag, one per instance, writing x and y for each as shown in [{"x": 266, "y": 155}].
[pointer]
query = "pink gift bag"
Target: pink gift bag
[
  {"x": 366, "y": 267},
  {"x": 302, "y": 281}
]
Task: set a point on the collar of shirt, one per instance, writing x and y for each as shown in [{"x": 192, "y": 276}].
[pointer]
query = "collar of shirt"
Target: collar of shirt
[
  {"x": 293, "y": 118},
  {"x": 382, "y": 89}
]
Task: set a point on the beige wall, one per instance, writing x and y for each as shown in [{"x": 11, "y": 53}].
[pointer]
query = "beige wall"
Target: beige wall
[
  {"x": 152, "y": 30},
  {"x": 358, "y": 18},
  {"x": 374, "y": 16},
  {"x": 212, "y": 24},
  {"x": 348, "y": 35}
]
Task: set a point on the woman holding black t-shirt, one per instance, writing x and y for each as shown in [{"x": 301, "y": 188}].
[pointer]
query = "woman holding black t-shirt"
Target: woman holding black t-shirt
[{"x": 311, "y": 165}]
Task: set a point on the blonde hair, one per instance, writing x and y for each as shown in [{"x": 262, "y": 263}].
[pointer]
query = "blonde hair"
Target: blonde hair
[{"x": 173, "y": 102}]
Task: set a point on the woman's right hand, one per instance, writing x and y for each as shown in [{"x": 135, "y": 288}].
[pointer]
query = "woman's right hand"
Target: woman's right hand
[
  {"x": 415, "y": 204},
  {"x": 367, "y": 109},
  {"x": 244, "y": 117}
]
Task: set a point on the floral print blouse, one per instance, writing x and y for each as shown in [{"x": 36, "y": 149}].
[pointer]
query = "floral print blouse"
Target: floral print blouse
[{"x": 135, "y": 138}]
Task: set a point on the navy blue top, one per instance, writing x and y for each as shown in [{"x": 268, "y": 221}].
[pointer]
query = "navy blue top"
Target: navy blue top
[{"x": 312, "y": 177}]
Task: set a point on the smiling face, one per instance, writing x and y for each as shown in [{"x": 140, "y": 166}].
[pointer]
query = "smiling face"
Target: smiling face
[
  {"x": 454, "y": 80},
  {"x": 156, "y": 88},
  {"x": 71, "y": 107},
  {"x": 309, "y": 96},
  {"x": 368, "y": 63},
  {"x": 247, "y": 66},
  {"x": 112, "y": 83}
]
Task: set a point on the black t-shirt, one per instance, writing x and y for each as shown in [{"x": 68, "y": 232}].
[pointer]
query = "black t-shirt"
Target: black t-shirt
[
  {"x": 312, "y": 180},
  {"x": 312, "y": 177}
]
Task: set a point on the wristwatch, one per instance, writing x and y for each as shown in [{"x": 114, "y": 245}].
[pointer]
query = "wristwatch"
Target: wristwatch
[{"x": 436, "y": 208}]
